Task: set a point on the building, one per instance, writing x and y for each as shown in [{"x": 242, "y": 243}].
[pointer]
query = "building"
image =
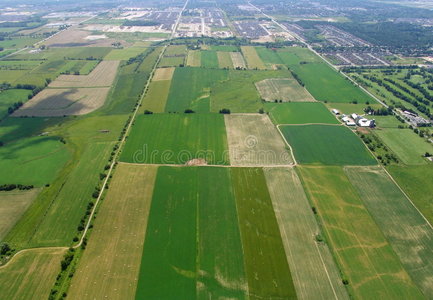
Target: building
[{"x": 335, "y": 111}]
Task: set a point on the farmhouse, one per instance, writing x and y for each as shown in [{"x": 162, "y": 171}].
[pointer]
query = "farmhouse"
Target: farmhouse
[
  {"x": 357, "y": 120},
  {"x": 335, "y": 111}
]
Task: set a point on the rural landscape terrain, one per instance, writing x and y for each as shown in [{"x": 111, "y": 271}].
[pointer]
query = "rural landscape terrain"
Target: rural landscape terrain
[{"x": 216, "y": 149}]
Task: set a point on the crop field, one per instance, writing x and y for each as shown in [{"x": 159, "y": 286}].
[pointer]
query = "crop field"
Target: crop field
[
  {"x": 177, "y": 139},
  {"x": 415, "y": 181},
  {"x": 239, "y": 93},
  {"x": 9, "y": 97},
  {"x": 266, "y": 267},
  {"x": 193, "y": 58},
  {"x": 314, "y": 272},
  {"x": 225, "y": 48},
  {"x": 224, "y": 60},
  {"x": 174, "y": 50},
  {"x": 283, "y": 89},
  {"x": 387, "y": 122},
  {"x": 124, "y": 54},
  {"x": 253, "y": 60},
  {"x": 268, "y": 56},
  {"x": 12, "y": 206},
  {"x": 326, "y": 144},
  {"x": 406, "y": 144},
  {"x": 21, "y": 158},
  {"x": 300, "y": 113},
  {"x": 110, "y": 265},
  {"x": 294, "y": 55},
  {"x": 102, "y": 76},
  {"x": 409, "y": 234},
  {"x": 350, "y": 108},
  {"x": 61, "y": 102},
  {"x": 238, "y": 60},
  {"x": 190, "y": 89},
  {"x": 30, "y": 275},
  {"x": 51, "y": 54},
  {"x": 171, "y": 61},
  {"x": 188, "y": 253},
  {"x": 366, "y": 259},
  {"x": 163, "y": 74},
  {"x": 254, "y": 141},
  {"x": 209, "y": 59},
  {"x": 156, "y": 97}
]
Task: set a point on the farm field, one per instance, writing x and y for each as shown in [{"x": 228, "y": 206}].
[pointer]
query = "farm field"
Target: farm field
[
  {"x": 21, "y": 282},
  {"x": 300, "y": 113},
  {"x": 63, "y": 102},
  {"x": 326, "y": 144},
  {"x": 415, "y": 181},
  {"x": 190, "y": 89},
  {"x": 187, "y": 253},
  {"x": 409, "y": 234},
  {"x": 12, "y": 206},
  {"x": 124, "y": 54},
  {"x": 238, "y": 60},
  {"x": 209, "y": 59},
  {"x": 171, "y": 61},
  {"x": 110, "y": 265},
  {"x": 406, "y": 144},
  {"x": 224, "y": 60},
  {"x": 387, "y": 122},
  {"x": 9, "y": 97},
  {"x": 163, "y": 74},
  {"x": 269, "y": 57},
  {"x": 365, "y": 257},
  {"x": 252, "y": 59},
  {"x": 350, "y": 108},
  {"x": 254, "y": 141},
  {"x": 282, "y": 89},
  {"x": 103, "y": 75},
  {"x": 314, "y": 273},
  {"x": 266, "y": 267},
  {"x": 156, "y": 97},
  {"x": 194, "y": 58},
  {"x": 177, "y": 139}
]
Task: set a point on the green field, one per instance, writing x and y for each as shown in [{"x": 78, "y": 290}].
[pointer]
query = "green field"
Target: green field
[
  {"x": 191, "y": 87},
  {"x": 408, "y": 146},
  {"x": 9, "y": 97},
  {"x": 225, "y": 48},
  {"x": 268, "y": 56},
  {"x": 387, "y": 121},
  {"x": 300, "y": 113},
  {"x": 176, "y": 139},
  {"x": 124, "y": 54},
  {"x": 209, "y": 59},
  {"x": 266, "y": 267},
  {"x": 224, "y": 60},
  {"x": 171, "y": 61},
  {"x": 156, "y": 97},
  {"x": 194, "y": 58},
  {"x": 409, "y": 234},
  {"x": 326, "y": 144},
  {"x": 366, "y": 259},
  {"x": 350, "y": 108},
  {"x": 173, "y": 50},
  {"x": 188, "y": 252},
  {"x": 315, "y": 274}
]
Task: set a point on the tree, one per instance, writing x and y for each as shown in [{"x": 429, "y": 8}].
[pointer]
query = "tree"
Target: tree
[
  {"x": 225, "y": 111},
  {"x": 5, "y": 248},
  {"x": 148, "y": 112},
  {"x": 189, "y": 111},
  {"x": 261, "y": 111}
]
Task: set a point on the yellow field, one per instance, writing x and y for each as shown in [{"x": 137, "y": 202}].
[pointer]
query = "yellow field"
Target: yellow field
[
  {"x": 110, "y": 265},
  {"x": 237, "y": 60},
  {"x": 60, "y": 102},
  {"x": 194, "y": 58},
  {"x": 285, "y": 89},
  {"x": 102, "y": 75},
  {"x": 252, "y": 58},
  {"x": 163, "y": 74},
  {"x": 156, "y": 97},
  {"x": 30, "y": 275},
  {"x": 224, "y": 60}
]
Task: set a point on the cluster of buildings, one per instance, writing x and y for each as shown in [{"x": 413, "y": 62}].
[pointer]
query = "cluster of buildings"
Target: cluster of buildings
[
  {"x": 355, "y": 120},
  {"x": 415, "y": 120}
]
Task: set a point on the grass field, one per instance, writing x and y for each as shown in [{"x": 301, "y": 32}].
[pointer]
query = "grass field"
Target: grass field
[
  {"x": 45, "y": 154},
  {"x": 176, "y": 139},
  {"x": 171, "y": 61},
  {"x": 350, "y": 108},
  {"x": 31, "y": 275},
  {"x": 238, "y": 60},
  {"x": 124, "y": 54},
  {"x": 314, "y": 272},
  {"x": 173, "y": 50},
  {"x": 404, "y": 227},
  {"x": 194, "y": 58},
  {"x": 188, "y": 253},
  {"x": 325, "y": 144},
  {"x": 299, "y": 113},
  {"x": 254, "y": 141},
  {"x": 225, "y": 48},
  {"x": 253, "y": 60},
  {"x": 9, "y": 97},
  {"x": 209, "y": 59},
  {"x": 110, "y": 265},
  {"x": 387, "y": 121},
  {"x": 283, "y": 89},
  {"x": 268, "y": 56},
  {"x": 190, "y": 88},
  {"x": 156, "y": 97},
  {"x": 224, "y": 60},
  {"x": 12, "y": 206},
  {"x": 163, "y": 74},
  {"x": 366, "y": 259},
  {"x": 415, "y": 181},
  {"x": 266, "y": 267},
  {"x": 408, "y": 146}
]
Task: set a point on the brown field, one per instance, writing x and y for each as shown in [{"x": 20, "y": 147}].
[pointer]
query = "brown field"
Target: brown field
[
  {"x": 237, "y": 60},
  {"x": 163, "y": 74},
  {"x": 60, "y": 102},
  {"x": 285, "y": 89},
  {"x": 254, "y": 141},
  {"x": 103, "y": 75},
  {"x": 73, "y": 37},
  {"x": 31, "y": 274},
  {"x": 110, "y": 265},
  {"x": 12, "y": 205}
]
